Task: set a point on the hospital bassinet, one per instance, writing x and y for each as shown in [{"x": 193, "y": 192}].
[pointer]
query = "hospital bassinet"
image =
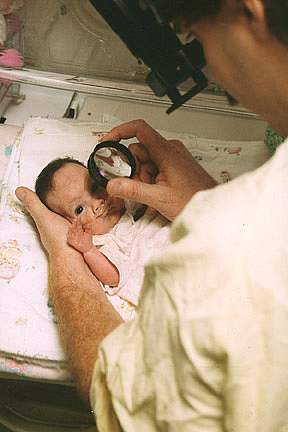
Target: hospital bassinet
[{"x": 36, "y": 389}]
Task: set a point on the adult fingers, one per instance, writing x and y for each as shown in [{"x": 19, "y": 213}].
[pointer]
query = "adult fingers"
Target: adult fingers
[
  {"x": 52, "y": 239},
  {"x": 150, "y": 194},
  {"x": 146, "y": 170},
  {"x": 32, "y": 203},
  {"x": 139, "y": 151},
  {"x": 147, "y": 173},
  {"x": 146, "y": 135}
]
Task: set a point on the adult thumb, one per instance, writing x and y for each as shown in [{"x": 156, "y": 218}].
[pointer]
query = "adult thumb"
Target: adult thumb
[{"x": 149, "y": 194}]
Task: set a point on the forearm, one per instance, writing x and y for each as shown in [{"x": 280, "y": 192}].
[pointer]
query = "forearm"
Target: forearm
[
  {"x": 84, "y": 314},
  {"x": 101, "y": 267}
]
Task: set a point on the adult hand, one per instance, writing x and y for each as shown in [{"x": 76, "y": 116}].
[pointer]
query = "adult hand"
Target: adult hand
[
  {"x": 178, "y": 176},
  {"x": 52, "y": 228}
]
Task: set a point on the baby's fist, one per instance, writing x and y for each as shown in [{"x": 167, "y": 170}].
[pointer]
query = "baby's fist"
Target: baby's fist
[{"x": 78, "y": 238}]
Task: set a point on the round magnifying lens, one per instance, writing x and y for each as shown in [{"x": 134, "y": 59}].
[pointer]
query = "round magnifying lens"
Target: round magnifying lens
[{"x": 110, "y": 159}]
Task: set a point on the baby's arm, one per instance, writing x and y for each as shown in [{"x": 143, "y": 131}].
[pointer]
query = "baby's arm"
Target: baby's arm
[{"x": 100, "y": 266}]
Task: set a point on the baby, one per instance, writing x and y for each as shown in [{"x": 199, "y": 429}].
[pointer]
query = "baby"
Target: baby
[{"x": 114, "y": 245}]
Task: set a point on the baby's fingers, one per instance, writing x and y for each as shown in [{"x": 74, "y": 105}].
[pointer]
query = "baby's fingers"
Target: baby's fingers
[
  {"x": 76, "y": 226},
  {"x": 74, "y": 231}
]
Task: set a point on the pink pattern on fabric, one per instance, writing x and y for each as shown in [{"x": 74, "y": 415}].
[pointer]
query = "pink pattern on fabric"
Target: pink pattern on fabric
[
  {"x": 9, "y": 259},
  {"x": 13, "y": 366},
  {"x": 11, "y": 58},
  {"x": 234, "y": 150}
]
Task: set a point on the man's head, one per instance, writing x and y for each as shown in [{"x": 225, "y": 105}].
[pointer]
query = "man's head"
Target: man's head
[
  {"x": 246, "y": 47},
  {"x": 66, "y": 188},
  {"x": 192, "y": 11}
]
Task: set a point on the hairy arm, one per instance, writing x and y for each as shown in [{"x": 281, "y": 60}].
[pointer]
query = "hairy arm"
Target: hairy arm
[{"x": 84, "y": 314}]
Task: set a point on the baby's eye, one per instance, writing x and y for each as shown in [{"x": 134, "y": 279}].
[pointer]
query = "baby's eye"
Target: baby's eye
[{"x": 79, "y": 210}]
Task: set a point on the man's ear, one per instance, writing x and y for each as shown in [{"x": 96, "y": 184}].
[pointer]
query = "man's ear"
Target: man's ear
[{"x": 255, "y": 11}]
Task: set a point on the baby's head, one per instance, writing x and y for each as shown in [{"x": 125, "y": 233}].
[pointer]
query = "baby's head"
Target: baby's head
[{"x": 66, "y": 188}]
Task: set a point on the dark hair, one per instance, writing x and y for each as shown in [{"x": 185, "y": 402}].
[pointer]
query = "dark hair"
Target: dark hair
[
  {"x": 277, "y": 18},
  {"x": 189, "y": 10},
  {"x": 194, "y": 10},
  {"x": 44, "y": 180}
]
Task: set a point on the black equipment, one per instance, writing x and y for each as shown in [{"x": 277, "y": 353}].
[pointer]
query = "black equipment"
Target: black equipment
[{"x": 154, "y": 42}]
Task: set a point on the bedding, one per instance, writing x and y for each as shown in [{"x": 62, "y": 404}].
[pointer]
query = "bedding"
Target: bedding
[
  {"x": 29, "y": 342},
  {"x": 7, "y": 138}
]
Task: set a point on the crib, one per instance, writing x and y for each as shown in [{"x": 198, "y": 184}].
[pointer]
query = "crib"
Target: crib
[{"x": 44, "y": 100}]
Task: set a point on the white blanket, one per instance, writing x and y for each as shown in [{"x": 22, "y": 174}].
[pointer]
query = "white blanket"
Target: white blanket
[
  {"x": 26, "y": 321},
  {"x": 28, "y": 332}
]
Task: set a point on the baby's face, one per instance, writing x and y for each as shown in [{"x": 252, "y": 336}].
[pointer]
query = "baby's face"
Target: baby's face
[{"x": 72, "y": 197}]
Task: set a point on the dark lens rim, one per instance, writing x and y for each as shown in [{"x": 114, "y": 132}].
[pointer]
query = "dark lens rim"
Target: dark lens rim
[{"x": 94, "y": 171}]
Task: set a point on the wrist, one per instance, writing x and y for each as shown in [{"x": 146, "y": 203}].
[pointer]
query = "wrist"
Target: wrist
[{"x": 89, "y": 251}]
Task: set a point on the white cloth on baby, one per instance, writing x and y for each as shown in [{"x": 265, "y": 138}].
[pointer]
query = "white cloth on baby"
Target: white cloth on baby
[{"x": 129, "y": 246}]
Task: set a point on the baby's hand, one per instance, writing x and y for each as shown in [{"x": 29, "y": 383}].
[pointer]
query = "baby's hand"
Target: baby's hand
[{"x": 78, "y": 238}]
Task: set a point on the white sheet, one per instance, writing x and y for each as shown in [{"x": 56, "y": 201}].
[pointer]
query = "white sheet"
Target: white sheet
[{"x": 28, "y": 322}]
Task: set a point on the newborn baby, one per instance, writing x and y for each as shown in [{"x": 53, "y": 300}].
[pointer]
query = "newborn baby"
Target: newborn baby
[{"x": 103, "y": 229}]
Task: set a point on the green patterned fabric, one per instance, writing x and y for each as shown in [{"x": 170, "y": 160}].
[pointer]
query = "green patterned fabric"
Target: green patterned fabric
[{"x": 272, "y": 139}]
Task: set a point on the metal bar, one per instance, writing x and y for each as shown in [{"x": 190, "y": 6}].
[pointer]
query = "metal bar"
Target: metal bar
[{"x": 121, "y": 90}]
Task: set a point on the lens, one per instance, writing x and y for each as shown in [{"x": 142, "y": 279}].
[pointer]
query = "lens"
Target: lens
[
  {"x": 110, "y": 159},
  {"x": 112, "y": 163}
]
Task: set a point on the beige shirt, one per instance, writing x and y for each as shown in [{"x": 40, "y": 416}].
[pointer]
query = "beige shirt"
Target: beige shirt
[{"x": 209, "y": 348}]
